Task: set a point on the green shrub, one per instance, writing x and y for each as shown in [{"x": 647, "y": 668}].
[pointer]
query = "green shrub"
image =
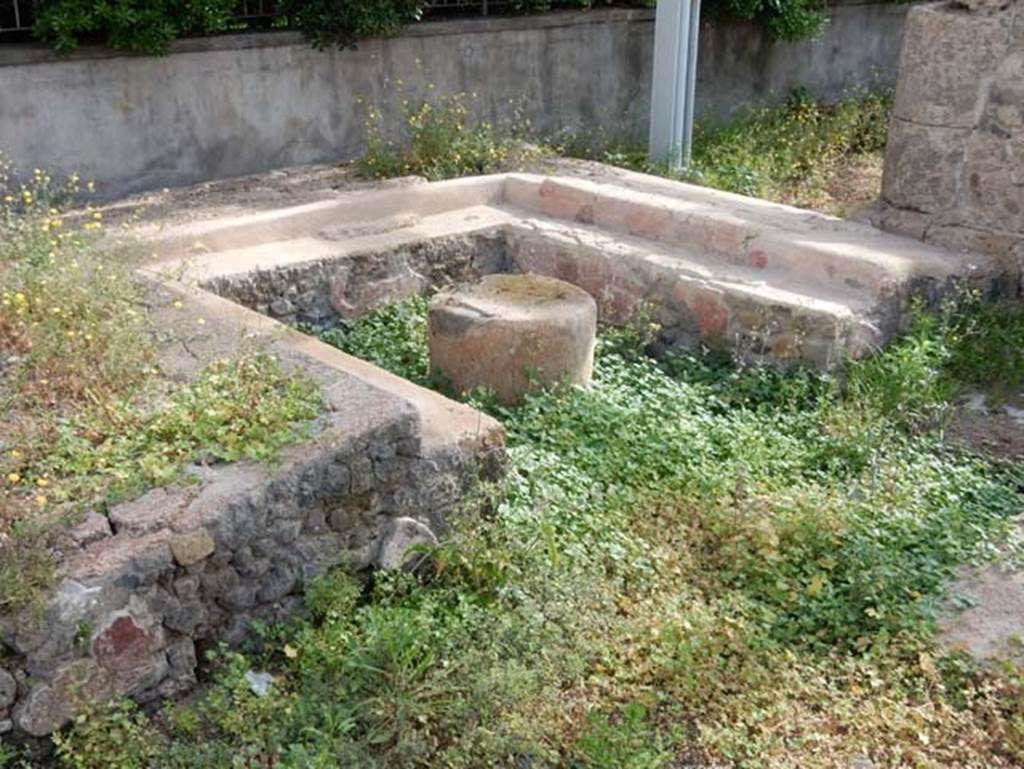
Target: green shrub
[
  {"x": 141, "y": 26},
  {"x": 968, "y": 343},
  {"x": 340, "y": 23},
  {"x": 782, "y": 19},
  {"x": 795, "y": 153},
  {"x": 149, "y": 26},
  {"x": 910, "y": 384},
  {"x": 986, "y": 340}
]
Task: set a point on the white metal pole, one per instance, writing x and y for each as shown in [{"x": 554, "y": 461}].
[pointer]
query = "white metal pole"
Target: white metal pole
[
  {"x": 676, "y": 31},
  {"x": 690, "y": 97}
]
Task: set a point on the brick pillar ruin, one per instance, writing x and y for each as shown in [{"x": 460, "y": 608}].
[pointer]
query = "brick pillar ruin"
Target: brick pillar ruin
[{"x": 954, "y": 166}]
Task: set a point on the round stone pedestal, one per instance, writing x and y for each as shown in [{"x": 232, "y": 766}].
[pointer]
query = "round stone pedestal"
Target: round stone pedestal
[{"x": 513, "y": 334}]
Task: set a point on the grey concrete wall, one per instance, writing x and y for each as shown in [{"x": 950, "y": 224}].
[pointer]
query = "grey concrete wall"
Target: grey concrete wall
[
  {"x": 229, "y": 106},
  {"x": 859, "y": 48}
]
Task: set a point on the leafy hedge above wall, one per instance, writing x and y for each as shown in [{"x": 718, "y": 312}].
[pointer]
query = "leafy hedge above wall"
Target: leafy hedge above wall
[
  {"x": 328, "y": 23},
  {"x": 149, "y": 26},
  {"x": 782, "y": 19},
  {"x": 142, "y": 26}
]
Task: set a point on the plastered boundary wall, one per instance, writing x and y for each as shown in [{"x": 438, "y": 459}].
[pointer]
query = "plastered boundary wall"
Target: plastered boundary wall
[{"x": 228, "y": 106}]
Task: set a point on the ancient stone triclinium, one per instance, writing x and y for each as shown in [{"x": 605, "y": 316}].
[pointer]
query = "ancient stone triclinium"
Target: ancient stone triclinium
[{"x": 390, "y": 462}]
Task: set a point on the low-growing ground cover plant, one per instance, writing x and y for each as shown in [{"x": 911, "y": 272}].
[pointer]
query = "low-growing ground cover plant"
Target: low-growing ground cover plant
[
  {"x": 690, "y": 563},
  {"x": 86, "y": 418}
]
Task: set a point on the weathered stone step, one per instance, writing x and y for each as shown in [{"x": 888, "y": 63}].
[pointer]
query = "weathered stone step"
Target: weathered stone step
[
  {"x": 795, "y": 244},
  {"x": 695, "y": 262},
  {"x": 351, "y": 215},
  {"x": 698, "y": 300},
  {"x": 313, "y": 238}
]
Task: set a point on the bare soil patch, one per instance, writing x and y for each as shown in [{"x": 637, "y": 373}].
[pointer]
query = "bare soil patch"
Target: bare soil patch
[{"x": 996, "y": 429}]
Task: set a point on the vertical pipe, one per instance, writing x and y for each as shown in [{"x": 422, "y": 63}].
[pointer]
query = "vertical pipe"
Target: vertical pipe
[
  {"x": 664, "y": 141},
  {"x": 689, "y": 99},
  {"x": 677, "y": 27}
]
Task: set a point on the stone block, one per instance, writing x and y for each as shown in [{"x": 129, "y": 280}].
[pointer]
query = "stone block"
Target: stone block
[
  {"x": 92, "y": 528},
  {"x": 153, "y": 510},
  {"x": 8, "y": 689},
  {"x": 186, "y": 617},
  {"x": 564, "y": 200},
  {"x": 362, "y": 476},
  {"x": 181, "y": 657},
  {"x": 219, "y": 583},
  {"x": 192, "y": 547},
  {"x": 353, "y": 299},
  {"x": 947, "y": 53},
  {"x": 276, "y": 584},
  {"x": 41, "y": 711},
  {"x": 130, "y": 647},
  {"x": 994, "y": 194},
  {"x": 399, "y": 537},
  {"x": 248, "y": 565},
  {"x": 922, "y": 166},
  {"x": 242, "y": 596}
]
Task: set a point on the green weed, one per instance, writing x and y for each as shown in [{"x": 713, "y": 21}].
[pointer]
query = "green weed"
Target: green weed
[
  {"x": 118, "y": 736},
  {"x": 805, "y": 152},
  {"x": 440, "y": 138},
  {"x": 988, "y": 338},
  {"x": 394, "y": 337}
]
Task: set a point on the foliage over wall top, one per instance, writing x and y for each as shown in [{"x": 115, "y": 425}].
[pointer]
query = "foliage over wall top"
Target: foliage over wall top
[{"x": 149, "y": 26}]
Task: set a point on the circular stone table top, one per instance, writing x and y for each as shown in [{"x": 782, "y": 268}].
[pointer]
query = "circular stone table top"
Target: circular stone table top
[
  {"x": 512, "y": 334},
  {"x": 515, "y": 297}
]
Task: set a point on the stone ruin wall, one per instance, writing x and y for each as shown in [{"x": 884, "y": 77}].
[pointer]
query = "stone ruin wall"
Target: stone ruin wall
[
  {"x": 144, "y": 589},
  {"x": 326, "y": 290},
  {"x": 954, "y": 165}
]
